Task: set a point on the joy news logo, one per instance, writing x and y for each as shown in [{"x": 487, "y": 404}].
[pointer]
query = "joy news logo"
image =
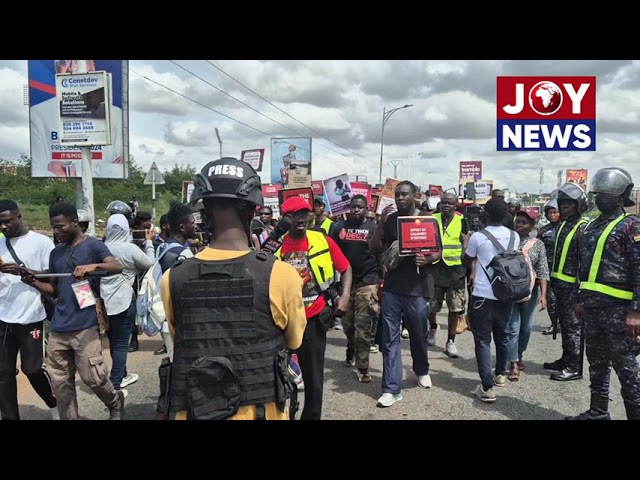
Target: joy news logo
[{"x": 546, "y": 113}]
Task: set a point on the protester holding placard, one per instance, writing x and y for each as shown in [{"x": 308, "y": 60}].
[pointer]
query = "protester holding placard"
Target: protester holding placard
[{"x": 408, "y": 287}]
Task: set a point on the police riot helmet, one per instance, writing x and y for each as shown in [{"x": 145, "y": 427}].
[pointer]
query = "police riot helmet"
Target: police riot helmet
[
  {"x": 515, "y": 202},
  {"x": 118, "y": 206},
  {"x": 227, "y": 178},
  {"x": 615, "y": 181},
  {"x": 551, "y": 203},
  {"x": 573, "y": 191},
  {"x": 83, "y": 215}
]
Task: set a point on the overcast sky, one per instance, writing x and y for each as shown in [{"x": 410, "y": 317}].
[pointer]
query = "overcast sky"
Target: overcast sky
[{"x": 340, "y": 104}]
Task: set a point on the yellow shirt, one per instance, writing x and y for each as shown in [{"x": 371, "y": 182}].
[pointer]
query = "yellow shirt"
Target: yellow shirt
[{"x": 287, "y": 309}]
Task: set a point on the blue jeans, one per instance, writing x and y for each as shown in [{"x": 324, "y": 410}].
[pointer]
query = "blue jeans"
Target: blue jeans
[
  {"x": 491, "y": 316},
  {"x": 414, "y": 312},
  {"x": 520, "y": 325},
  {"x": 119, "y": 334}
]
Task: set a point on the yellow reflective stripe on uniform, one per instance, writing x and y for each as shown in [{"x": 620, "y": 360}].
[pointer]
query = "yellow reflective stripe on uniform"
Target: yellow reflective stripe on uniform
[
  {"x": 451, "y": 245},
  {"x": 326, "y": 225},
  {"x": 558, "y": 274},
  {"x": 591, "y": 283}
]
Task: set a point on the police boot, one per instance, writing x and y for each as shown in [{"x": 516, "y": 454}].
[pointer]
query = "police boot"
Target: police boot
[
  {"x": 560, "y": 364},
  {"x": 566, "y": 375},
  {"x": 599, "y": 409},
  {"x": 633, "y": 411}
]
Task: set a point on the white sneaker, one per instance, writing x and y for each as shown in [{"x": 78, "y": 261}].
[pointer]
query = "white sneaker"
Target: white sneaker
[
  {"x": 128, "y": 380},
  {"x": 405, "y": 333},
  {"x": 499, "y": 380},
  {"x": 388, "y": 399},
  {"x": 431, "y": 339},
  {"x": 488, "y": 397},
  {"x": 374, "y": 349},
  {"x": 450, "y": 349},
  {"x": 301, "y": 386},
  {"x": 425, "y": 381},
  {"x": 124, "y": 392},
  {"x": 55, "y": 414}
]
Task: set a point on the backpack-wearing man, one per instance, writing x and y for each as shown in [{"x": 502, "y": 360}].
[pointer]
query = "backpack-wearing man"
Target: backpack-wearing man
[
  {"x": 232, "y": 312},
  {"x": 487, "y": 314}
]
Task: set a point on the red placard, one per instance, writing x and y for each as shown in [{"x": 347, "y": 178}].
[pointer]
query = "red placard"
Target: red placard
[
  {"x": 306, "y": 193},
  {"x": 418, "y": 235}
]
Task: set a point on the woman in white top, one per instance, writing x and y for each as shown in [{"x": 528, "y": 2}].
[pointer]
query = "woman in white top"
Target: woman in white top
[{"x": 119, "y": 294}]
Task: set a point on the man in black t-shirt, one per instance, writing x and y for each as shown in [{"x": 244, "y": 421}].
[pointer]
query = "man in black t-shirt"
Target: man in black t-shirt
[
  {"x": 352, "y": 236},
  {"x": 405, "y": 295}
]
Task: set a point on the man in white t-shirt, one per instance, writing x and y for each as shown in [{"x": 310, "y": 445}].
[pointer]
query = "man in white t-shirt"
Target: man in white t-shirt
[
  {"x": 21, "y": 311},
  {"x": 487, "y": 315}
]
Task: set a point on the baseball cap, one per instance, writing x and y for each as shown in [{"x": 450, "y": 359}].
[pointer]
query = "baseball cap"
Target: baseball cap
[
  {"x": 529, "y": 212},
  {"x": 295, "y": 204}
]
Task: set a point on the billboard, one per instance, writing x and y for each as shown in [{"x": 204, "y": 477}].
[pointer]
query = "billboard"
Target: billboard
[
  {"x": 579, "y": 177},
  {"x": 291, "y": 153},
  {"x": 49, "y": 157}
]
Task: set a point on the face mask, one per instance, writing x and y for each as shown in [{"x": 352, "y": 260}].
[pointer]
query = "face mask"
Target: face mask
[{"x": 607, "y": 202}]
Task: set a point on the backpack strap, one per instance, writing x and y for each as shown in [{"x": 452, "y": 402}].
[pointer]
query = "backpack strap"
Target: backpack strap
[{"x": 495, "y": 241}]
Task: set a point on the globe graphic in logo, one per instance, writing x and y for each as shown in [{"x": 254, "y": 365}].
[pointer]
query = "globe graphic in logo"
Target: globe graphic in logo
[{"x": 545, "y": 98}]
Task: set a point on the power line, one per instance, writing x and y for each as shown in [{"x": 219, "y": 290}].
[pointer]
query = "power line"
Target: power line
[
  {"x": 278, "y": 108},
  {"x": 236, "y": 99},
  {"x": 212, "y": 109}
]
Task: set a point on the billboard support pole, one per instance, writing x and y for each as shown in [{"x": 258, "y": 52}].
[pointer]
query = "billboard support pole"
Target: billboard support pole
[{"x": 84, "y": 185}]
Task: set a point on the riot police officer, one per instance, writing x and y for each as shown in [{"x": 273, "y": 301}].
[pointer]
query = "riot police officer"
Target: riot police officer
[
  {"x": 609, "y": 294},
  {"x": 572, "y": 201},
  {"x": 548, "y": 236},
  {"x": 233, "y": 312}
]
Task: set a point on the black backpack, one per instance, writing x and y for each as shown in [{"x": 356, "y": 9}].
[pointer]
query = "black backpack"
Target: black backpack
[{"x": 511, "y": 274}]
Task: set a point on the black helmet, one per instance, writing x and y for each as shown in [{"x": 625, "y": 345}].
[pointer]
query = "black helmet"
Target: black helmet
[
  {"x": 227, "y": 178},
  {"x": 118, "y": 206},
  {"x": 552, "y": 203},
  {"x": 515, "y": 202},
  {"x": 573, "y": 191},
  {"x": 615, "y": 181}
]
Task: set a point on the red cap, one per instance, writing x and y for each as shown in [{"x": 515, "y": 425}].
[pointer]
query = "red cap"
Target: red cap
[
  {"x": 295, "y": 204},
  {"x": 529, "y": 212}
]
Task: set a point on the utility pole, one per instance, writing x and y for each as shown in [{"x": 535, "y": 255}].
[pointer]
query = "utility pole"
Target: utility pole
[{"x": 219, "y": 141}]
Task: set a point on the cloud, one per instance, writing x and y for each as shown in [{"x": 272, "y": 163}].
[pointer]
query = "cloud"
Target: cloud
[{"x": 13, "y": 111}]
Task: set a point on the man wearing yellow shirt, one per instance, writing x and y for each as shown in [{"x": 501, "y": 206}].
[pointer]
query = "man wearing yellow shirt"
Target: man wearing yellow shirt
[{"x": 236, "y": 311}]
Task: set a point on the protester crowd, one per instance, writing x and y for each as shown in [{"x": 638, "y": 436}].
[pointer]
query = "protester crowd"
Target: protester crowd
[{"x": 243, "y": 301}]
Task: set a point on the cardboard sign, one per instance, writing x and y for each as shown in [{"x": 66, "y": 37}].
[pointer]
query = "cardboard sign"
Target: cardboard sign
[
  {"x": 384, "y": 203},
  {"x": 373, "y": 203},
  {"x": 306, "y": 193},
  {"x": 299, "y": 180},
  {"x": 418, "y": 235}
]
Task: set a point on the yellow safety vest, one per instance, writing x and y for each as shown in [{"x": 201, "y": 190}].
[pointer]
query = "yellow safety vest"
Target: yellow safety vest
[
  {"x": 326, "y": 225},
  {"x": 319, "y": 258},
  {"x": 451, "y": 245},
  {"x": 591, "y": 283},
  {"x": 558, "y": 273}
]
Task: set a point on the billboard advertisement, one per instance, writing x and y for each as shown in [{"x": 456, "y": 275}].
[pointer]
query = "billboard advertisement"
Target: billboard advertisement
[
  {"x": 291, "y": 153},
  {"x": 579, "y": 177},
  {"x": 50, "y": 158}
]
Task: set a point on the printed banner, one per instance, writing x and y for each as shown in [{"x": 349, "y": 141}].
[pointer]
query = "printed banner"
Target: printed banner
[
  {"x": 418, "y": 235},
  {"x": 187, "y": 190},
  {"x": 270, "y": 190},
  {"x": 373, "y": 203},
  {"x": 51, "y": 158},
  {"x": 253, "y": 158},
  {"x": 289, "y": 154},
  {"x": 338, "y": 192},
  {"x": 359, "y": 188},
  {"x": 318, "y": 188},
  {"x": 435, "y": 190}
]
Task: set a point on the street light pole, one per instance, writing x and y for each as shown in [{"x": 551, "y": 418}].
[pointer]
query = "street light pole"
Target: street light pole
[
  {"x": 219, "y": 141},
  {"x": 385, "y": 118},
  {"x": 395, "y": 164}
]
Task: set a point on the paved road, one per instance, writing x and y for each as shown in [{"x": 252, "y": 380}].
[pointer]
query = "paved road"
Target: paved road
[{"x": 534, "y": 397}]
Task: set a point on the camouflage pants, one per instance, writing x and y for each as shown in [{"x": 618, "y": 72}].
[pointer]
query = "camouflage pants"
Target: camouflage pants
[
  {"x": 570, "y": 328},
  {"x": 607, "y": 346},
  {"x": 358, "y": 323},
  {"x": 551, "y": 303}
]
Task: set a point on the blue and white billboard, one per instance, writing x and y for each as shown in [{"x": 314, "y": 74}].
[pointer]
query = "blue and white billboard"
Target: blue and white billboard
[{"x": 49, "y": 157}]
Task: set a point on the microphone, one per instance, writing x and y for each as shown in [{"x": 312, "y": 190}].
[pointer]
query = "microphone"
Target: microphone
[{"x": 272, "y": 242}]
